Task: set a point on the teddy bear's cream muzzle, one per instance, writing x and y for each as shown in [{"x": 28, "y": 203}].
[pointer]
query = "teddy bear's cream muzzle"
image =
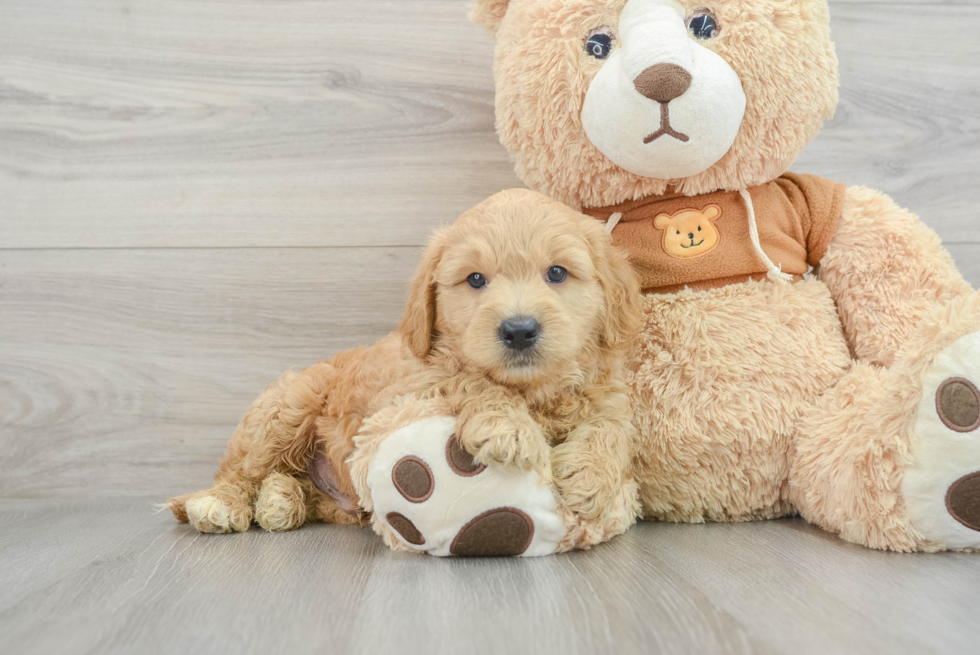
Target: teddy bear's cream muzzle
[{"x": 663, "y": 105}]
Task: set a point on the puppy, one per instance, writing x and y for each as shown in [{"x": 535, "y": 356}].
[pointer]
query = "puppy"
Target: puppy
[{"x": 519, "y": 316}]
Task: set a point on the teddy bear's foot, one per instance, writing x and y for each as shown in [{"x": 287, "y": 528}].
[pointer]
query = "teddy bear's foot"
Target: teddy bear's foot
[
  {"x": 890, "y": 457},
  {"x": 942, "y": 484},
  {"x": 430, "y": 496}
]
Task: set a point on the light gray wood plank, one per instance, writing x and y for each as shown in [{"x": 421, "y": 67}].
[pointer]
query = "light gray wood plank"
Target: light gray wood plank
[
  {"x": 909, "y": 117},
  {"x": 108, "y": 576},
  {"x": 236, "y": 122},
  {"x": 127, "y": 370},
  {"x": 241, "y": 123}
]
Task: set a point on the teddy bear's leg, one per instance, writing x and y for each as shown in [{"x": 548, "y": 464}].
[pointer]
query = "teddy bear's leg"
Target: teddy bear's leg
[
  {"x": 274, "y": 437},
  {"x": 885, "y": 269},
  {"x": 890, "y": 457},
  {"x": 427, "y": 494}
]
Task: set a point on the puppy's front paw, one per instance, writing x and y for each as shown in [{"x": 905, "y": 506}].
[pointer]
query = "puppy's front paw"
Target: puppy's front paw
[
  {"x": 583, "y": 486},
  {"x": 604, "y": 501},
  {"x": 515, "y": 444}
]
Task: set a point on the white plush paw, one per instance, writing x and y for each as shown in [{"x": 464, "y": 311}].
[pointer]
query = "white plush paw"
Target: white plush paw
[
  {"x": 942, "y": 486},
  {"x": 208, "y": 514},
  {"x": 434, "y": 498}
]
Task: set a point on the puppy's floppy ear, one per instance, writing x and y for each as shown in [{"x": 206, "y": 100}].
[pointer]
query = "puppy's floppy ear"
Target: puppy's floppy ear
[
  {"x": 621, "y": 289},
  {"x": 489, "y": 13},
  {"x": 418, "y": 325}
]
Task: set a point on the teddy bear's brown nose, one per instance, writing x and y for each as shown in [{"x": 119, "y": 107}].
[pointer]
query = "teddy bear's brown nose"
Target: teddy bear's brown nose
[{"x": 663, "y": 82}]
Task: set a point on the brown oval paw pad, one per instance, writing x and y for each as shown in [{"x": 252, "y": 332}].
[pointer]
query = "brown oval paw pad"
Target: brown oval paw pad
[
  {"x": 501, "y": 532},
  {"x": 963, "y": 500},
  {"x": 958, "y": 404},
  {"x": 403, "y": 526},
  {"x": 413, "y": 479},
  {"x": 460, "y": 461}
]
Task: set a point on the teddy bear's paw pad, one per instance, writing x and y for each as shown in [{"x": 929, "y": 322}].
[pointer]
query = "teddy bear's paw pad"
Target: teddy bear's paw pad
[
  {"x": 430, "y": 493},
  {"x": 413, "y": 479},
  {"x": 405, "y": 528},
  {"x": 942, "y": 485},
  {"x": 500, "y": 532}
]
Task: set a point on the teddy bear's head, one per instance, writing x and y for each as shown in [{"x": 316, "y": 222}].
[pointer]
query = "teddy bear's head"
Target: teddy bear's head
[
  {"x": 603, "y": 101},
  {"x": 689, "y": 233}
]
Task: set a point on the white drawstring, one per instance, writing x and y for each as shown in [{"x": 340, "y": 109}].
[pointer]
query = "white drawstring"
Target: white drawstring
[
  {"x": 613, "y": 221},
  {"x": 775, "y": 272}
]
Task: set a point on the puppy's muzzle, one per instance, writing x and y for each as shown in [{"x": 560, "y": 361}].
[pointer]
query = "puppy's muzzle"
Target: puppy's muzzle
[{"x": 519, "y": 332}]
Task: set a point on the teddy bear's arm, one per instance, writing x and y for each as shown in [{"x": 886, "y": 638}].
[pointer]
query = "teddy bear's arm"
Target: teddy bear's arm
[{"x": 885, "y": 269}]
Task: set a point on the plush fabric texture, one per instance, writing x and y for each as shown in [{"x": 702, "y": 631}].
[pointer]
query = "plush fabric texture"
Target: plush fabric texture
[
  {"x": 780, "y": 51},
  {"x": 874, "y": 462},
  {"x": 451, "y": 517},
  {"x": 885, "y": 269},
  {"x": 703, "y": 242},
  {"x": 697, "y": 99},
  {"x": 720, "y": 380},
  {"x": 752, "y": 398}
]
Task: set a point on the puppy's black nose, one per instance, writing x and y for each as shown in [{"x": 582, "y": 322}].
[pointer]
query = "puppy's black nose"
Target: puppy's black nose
[{"x": 519, "y": 332}]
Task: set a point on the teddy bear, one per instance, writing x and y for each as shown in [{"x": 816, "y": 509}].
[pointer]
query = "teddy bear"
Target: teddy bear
[{"x": 807, "y": 348}]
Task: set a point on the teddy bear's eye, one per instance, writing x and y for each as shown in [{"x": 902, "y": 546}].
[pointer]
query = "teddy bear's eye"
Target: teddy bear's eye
[
  {"x": 678, "y": 231},
  {"x": 699, "y": 228},
  {"x": 599, "y": 43},
  {"x": 703, "y": 25}
]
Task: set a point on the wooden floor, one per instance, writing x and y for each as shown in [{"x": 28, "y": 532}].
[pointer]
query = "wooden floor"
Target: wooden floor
[{"x": 197, "y": 194}]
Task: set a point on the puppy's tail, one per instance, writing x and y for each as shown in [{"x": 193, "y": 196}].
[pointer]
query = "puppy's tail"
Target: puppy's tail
[{"x": 178, "y": 505}]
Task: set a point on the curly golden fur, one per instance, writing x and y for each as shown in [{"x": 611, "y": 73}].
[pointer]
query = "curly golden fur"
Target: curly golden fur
[{"x": 559, "y": 407}]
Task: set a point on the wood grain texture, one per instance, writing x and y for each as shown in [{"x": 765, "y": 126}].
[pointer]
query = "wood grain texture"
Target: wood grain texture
[
  {"x": 198, "y": 194},
  {"x": 127, "y": 370},
  {"x": 109, "y": 576},
  {"x": 242, "y": 123}
]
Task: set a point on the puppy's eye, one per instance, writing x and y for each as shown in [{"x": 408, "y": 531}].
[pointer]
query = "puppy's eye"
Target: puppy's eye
[
  {"x": 476, "y": 280},
  {"x": 703, "y": 25},
  {"x": 599, "y": 43},
  {"x": 557, "y": 274}
]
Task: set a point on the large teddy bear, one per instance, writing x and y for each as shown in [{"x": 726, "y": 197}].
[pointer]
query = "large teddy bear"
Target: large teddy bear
[{"x": 808, "y": 347}]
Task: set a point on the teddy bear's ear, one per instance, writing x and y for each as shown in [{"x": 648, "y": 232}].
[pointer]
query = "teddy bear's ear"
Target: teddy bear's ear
[
  {"x": 489, "y": 13},
  {"x": 662, "y": 221},
  {"x": 418, "y": 325},
  {"x": 711, "y": 212}
]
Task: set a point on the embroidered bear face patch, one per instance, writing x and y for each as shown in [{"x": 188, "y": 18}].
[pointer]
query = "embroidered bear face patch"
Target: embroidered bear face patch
[{"x": 689, "y": 233}]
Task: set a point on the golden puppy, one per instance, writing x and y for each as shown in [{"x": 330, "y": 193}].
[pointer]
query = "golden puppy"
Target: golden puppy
[{"x": 519, "y": 316}]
